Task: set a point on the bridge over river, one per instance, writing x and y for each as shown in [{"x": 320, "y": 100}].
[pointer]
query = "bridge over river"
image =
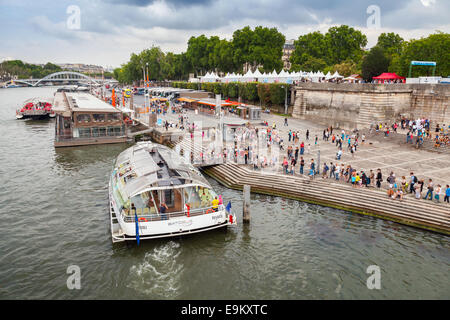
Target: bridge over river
[{"x": 63, "y": 77}]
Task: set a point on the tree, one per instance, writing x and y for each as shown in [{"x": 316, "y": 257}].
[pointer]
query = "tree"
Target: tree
[
  {"x": 197, "y": 53},
  {"x": 262, "y": 46},
  {"x": 391, "y": 43},
  {"x": 345, "y": 68},
  {"x": 435, "y": 47},
  {"x": 374, "y": 63},
  {"x": 309, "y": 45},
  {"x": 344, "y": 43},
  {"x": 309, "y": 63}
]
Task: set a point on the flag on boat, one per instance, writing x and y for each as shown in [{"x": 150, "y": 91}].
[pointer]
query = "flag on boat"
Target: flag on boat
[
  {"x": 228, "y": 208},
  {"x": 137, "y": 227}
]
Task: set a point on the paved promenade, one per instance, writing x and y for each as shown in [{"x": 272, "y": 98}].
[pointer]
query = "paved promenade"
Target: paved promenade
[{"x": 380, "y": 153}]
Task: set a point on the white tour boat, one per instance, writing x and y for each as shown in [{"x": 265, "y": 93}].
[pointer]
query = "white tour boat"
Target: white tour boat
[{"x": 168, "y": 197}]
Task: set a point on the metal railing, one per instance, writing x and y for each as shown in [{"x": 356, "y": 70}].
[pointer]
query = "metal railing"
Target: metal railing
[{"x": 171, "y": 215}]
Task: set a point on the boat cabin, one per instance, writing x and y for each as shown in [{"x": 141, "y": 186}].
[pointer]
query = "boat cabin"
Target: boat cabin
[
  {"x": 83, "y": 119},
  {"x": 149, "y": 175}
]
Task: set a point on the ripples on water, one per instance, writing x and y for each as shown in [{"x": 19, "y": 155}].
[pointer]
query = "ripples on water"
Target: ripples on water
[{"x": 54, "y": 209}]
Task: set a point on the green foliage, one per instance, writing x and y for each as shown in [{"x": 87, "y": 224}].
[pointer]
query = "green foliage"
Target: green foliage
[
  {"x": 435, "y": 47},
  {"x": 25, "y": 70},
  {"x": 273, "y": 93},
  {"x": 233, "y": 90},
  {"x": 315, "y": 51},
  {"x": 251, "y": 91},
  {"x": 345, "y": 68},
  {"x": 391, "y": 43},
  {"x": 339, "y": 49},
  {"x": 374, "y": 63},
  {"x": 217, "y": 87},
  {"x": 262, "y": 46},
  {"x": 277, "y": 93},
  {"x": 264, "y": 93}
]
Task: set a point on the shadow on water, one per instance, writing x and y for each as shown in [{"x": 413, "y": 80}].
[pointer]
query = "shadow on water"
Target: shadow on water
[{"x": 74, "y": 158}]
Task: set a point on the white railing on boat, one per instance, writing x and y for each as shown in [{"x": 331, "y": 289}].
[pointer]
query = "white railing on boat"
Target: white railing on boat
[{"x": 171, "y": 215}]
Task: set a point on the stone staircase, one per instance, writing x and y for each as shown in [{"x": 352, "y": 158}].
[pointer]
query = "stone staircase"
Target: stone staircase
[
  {"x": 417, "y": 213},
  {"x": 372, "y": 110}
]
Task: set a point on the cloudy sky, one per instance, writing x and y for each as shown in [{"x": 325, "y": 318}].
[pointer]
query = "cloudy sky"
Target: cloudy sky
[{"x": 108, "y": 31}]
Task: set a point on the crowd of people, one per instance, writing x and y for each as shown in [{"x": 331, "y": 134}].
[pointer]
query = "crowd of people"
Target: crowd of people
[{"x": 361, "y": 178}]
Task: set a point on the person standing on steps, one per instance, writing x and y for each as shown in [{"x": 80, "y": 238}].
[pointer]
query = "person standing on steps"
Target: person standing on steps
[
  {"x": 286, "y": 122},
  {"x": 379, "y": 178},
  {"x": 312, "y": 169},
  {"x": 302, "y": 165},
  {"x": 302, "y": 148},
  {"x": 325, "y": 171},
  {"x": 437, "y": 193},
  {"x": 307, "y": 134}
]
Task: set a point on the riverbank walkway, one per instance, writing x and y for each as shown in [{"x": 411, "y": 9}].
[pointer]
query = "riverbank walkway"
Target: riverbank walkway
[{"x": 377, "y": 152}]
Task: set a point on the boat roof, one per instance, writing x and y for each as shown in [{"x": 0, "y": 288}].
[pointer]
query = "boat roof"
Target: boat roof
[
  {"x": 150, "y": 166},
  {"x": 64, "y": 102}
]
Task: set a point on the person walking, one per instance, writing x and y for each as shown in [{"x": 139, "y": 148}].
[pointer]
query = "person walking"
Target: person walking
[
  {"x": 430, "y": 189},
  {"x": 447, "y": 194},
  {"x": 307, "y": 134}
]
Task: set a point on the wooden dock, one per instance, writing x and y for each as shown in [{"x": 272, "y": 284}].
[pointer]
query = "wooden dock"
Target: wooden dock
[{"x": 422, "y": 214}]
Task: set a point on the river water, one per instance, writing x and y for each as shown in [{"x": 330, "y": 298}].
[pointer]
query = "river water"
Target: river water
[{"x": 54, "y": 211}]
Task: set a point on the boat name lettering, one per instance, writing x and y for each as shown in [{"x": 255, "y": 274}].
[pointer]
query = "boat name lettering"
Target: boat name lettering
[{"x": 180, "y": 223}]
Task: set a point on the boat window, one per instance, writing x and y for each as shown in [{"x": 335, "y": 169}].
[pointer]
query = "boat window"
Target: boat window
[
  {"x": 198, "y": 197},
  {"x": 95, "y": 132},
  {"x": 117, "y": 131},
  {"x": 84, "y": 118},
  {"x": 111, "y": 131},
  {"x": 113, "y": 117},
  {"x": 99, "y": 117},
  {"x": 144, "y": 204},
  {"x": 169, "y": 198},
  {"x": 84, "y": 132},
  {"x": 101, "y": 132}
]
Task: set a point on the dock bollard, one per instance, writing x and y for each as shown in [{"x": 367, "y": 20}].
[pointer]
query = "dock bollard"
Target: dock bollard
[{"x": 246, "y": 206}]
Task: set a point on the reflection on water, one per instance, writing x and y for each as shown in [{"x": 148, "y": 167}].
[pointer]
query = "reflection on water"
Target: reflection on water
[
  {"x": 74, "y": 158},
  {"x": 54, "y": 208}
]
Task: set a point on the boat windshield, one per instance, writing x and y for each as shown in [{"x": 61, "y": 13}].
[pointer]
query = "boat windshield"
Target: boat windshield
[{"x": 149, "y": 202}]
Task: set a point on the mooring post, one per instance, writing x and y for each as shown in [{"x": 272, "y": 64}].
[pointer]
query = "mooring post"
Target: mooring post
[{"x": 246, "y": 206}]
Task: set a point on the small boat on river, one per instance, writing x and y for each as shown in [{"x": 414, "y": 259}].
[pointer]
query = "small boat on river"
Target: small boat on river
[
  {"x": 36, "y": 108},
  {"x": 153, "y": 193}
]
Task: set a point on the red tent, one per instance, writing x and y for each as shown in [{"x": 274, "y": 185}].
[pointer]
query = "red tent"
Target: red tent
[{"x": 388, "y": 76}]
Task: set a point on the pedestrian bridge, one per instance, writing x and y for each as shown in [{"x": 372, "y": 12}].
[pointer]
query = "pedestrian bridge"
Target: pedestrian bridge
[{"x": 62, "y": 77}]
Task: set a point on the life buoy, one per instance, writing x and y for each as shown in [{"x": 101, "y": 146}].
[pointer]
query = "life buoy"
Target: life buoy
[
  {"x": 142, "y": 219},
  {"x": 209, "y": 211}
]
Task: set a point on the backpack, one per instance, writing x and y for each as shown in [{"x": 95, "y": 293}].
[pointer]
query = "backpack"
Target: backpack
[{"x": 415, "y": 179}]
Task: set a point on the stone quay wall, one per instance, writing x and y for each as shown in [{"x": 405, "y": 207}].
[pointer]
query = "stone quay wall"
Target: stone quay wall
[{"x": 358, "y": 105}]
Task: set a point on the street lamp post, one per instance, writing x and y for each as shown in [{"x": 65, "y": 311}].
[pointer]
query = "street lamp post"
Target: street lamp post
[{"x": 285, "y": 100}]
